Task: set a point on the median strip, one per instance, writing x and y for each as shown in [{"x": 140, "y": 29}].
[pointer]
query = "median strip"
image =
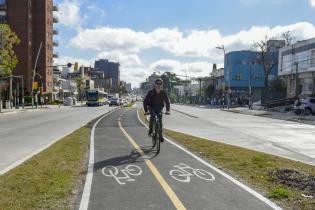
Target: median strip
[{"x": 50, "y": 179}]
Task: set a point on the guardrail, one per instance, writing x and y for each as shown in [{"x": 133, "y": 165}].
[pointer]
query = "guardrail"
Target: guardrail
[{"x": 280, "y": 102}]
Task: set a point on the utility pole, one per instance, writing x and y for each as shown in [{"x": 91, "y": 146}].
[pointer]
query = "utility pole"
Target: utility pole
[
  {"x": 34, "y": 73},
  {"x": 296, "y": 64},
  {"x": 11, "y": 93}
]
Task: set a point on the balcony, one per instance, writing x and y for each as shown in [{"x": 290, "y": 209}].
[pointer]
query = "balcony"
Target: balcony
[
  {"x": 55, "y": 32},
  {"x": 55, "y": 43},
  {"x": 55, "y": 8},
  {"x": 55, "y": 20},
  {"x": 55, "y": 55}
]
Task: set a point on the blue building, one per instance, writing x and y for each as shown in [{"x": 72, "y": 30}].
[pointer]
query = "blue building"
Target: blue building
[
  {"x": 244, "y": 72},
  {"x": 111, "y": 70}
]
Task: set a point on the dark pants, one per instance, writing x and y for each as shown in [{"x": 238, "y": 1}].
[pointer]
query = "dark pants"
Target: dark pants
[{"x": 154, "y": 112}]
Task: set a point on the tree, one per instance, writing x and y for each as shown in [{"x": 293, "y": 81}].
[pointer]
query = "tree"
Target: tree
[
  {"x": 169, "y": 80},
  {"x": 80, "y": 85},
  {"x": 209, "y": 90},
  {"x": 268, "y": 63},
  {"x": 278, "y": 85},
  {"x": 8, "y": 58},
  {"x": 287, "y": 36}
]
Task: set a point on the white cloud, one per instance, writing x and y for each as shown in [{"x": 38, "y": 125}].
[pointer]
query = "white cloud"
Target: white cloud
[
  {"x": 195, "y": 43},
  {"x": 111, "y": 39},
  {"x": 126, "y": 60},
  {"x": 125, "y": 45},
  {"x": 193, "y": 69},
  {"x": 312, "y": 2},
  {"x": 68, "y": 59},
  {"x": 69, "y": 13}
]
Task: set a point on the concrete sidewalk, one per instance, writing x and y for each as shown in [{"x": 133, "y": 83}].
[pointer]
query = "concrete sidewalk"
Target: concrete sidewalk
[
  {"x": 40, "y": 108},
  {"x": 288, "y": 116}
]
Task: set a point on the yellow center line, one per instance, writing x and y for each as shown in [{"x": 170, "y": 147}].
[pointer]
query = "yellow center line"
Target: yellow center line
[{"x": 169, "y": 191}]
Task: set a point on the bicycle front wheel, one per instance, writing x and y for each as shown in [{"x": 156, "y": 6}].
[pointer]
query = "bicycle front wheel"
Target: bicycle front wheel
[{"x": 158, "y": 138}]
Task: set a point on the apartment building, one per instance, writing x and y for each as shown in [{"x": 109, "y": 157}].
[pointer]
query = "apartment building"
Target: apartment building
[{"x": 33, "y": 22}]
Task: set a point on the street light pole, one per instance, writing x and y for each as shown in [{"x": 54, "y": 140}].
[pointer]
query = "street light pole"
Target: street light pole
[
  {"x": 228, "y": 74},
  {"x": 34, "y": 73}
]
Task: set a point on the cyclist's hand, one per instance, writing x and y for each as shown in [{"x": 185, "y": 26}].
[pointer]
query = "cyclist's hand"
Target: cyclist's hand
[{"x": 167, "y": 113}]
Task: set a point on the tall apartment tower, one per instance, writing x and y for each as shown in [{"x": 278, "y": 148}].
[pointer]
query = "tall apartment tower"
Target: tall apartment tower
[{"x": 32, "y": 21}]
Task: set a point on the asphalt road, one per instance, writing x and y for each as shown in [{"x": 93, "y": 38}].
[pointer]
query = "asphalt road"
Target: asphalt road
[
  {"x": 23, "y": 134},
  {"x": 125, "y": 177},
  {"x": 278, "y": 137}
]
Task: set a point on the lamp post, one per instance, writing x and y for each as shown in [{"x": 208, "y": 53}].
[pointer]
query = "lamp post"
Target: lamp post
[
  {"x": 34, "y": 73},
  {"x": 228, "y": 74}
]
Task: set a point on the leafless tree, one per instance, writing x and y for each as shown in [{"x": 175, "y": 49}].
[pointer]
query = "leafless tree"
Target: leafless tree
[
  {"x": 268, "y": 62},
  {"x": 289, "y": 39}
]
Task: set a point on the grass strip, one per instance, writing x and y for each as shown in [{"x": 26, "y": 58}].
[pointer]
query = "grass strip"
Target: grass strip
[
  {"x": 49, "y": 180},
  {"x": 281, "y": 180}
]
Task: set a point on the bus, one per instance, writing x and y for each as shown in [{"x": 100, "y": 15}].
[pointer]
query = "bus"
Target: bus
[{"x": 96, "y": 98}]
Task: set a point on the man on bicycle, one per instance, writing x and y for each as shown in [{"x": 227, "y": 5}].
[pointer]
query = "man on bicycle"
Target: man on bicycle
[{"x": 153, "y": 104}]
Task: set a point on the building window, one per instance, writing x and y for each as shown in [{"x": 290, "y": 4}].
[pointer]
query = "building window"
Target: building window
[
  {"x": 286, "y": 63},
  {"x": 238, "y": 77},
  {"x": 313, "y": 59},
  {"x": 301, "y": 58}
]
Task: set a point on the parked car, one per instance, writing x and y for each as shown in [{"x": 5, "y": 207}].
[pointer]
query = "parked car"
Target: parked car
[{"x": 307, "y": 105}]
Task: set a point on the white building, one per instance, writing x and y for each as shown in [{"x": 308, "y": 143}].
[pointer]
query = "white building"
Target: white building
[{"x": 297, "y": 66}]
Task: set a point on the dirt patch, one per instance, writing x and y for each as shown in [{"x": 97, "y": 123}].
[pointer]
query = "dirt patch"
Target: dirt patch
[{"x": 296, "y": 179}]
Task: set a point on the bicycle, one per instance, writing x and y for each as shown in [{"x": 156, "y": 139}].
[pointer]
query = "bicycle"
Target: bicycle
[{"x": 157, "y": 131}]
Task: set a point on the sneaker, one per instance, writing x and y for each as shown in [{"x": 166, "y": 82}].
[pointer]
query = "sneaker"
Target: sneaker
[
  {"x": 162, "y": 139},
  {"x": 150, "y": 133}
]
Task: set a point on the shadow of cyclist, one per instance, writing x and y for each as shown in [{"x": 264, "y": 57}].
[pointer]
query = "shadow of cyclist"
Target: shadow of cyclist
[{"x": 133, "y": 157}]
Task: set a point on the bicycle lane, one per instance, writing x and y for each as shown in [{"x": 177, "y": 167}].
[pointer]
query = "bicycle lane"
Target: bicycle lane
[
  {"x": 133, "y": 187},
  {"x": 209, "y": 190}
]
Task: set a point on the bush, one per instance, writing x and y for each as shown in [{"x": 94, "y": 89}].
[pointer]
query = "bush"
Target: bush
[
  {"x": 57, "y": 102},
  {"x": 27, "y": 99}
]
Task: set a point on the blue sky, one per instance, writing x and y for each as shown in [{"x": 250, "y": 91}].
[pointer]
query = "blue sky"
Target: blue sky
[{"x": 173, "y": 35}]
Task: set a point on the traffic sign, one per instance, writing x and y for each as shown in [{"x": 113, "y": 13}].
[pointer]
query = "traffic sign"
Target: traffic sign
[
  {"x": 69, "y": 65},
  {"x": 35, "y": 85}
]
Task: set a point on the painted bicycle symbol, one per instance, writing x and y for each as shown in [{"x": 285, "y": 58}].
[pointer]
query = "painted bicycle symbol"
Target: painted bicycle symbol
[
  {"x": 182, "y": 174},
  {"x": 123, "y": 175}
]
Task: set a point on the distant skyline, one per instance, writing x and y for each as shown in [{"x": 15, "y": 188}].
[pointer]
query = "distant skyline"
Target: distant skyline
[{"x": 173, "y": 35}]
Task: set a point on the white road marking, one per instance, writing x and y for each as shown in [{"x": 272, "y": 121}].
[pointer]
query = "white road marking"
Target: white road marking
[
  {"x": 248, "y": 189},
  {"x": 84, "y": 204},
  {"x": 130, "y": 170},
  {"x": 182, "y": 174}
]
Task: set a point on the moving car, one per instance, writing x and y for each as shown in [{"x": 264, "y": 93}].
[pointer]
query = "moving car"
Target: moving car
[{"x": 113, "y": 101}]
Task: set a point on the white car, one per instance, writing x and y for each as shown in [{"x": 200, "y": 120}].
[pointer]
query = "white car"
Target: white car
[{"x": 307, "y": 105}]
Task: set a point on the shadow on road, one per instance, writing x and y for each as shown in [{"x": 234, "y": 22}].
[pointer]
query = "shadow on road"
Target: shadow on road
[{"x": 133, "y": 157}]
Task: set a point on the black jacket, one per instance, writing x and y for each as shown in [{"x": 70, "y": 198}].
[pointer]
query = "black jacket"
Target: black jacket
[{"x": 156, "y": 101}]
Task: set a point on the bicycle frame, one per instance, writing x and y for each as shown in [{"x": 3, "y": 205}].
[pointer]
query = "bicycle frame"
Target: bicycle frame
[{"x": 157, "y": 129}]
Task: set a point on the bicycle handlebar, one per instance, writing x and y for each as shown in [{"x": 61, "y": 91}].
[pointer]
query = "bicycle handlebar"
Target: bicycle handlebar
[{"x": 166, "y": 113}]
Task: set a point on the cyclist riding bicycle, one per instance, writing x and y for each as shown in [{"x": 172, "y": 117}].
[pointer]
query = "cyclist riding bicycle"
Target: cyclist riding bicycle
[{"x": 153, "y": 104}]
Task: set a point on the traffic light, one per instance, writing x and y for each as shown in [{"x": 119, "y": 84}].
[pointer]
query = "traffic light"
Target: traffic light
[{"x": 35, "y": 85}]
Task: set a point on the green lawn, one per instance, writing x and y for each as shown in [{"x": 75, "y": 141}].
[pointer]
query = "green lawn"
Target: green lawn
[{"x": 49, "y": 180}]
